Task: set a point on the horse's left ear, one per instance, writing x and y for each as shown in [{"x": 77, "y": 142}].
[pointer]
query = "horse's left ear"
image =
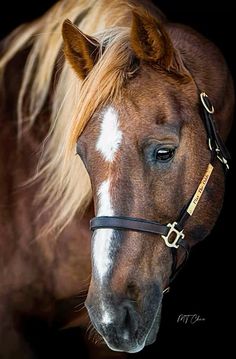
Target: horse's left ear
[
  {"x": 80, "y": 50},
  {"x": 151, "y": 43}
]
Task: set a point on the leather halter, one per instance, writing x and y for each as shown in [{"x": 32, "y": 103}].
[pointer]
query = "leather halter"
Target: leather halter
[{"x": 173, "y": 233}]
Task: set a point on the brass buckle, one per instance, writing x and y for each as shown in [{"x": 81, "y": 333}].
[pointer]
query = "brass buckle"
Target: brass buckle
[
  {"x": 178, "y": 234},
  {"x": 209, "y": 110}
]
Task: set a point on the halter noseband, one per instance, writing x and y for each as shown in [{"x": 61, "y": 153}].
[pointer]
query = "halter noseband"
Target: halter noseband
[{"x": 173, "y": 233}]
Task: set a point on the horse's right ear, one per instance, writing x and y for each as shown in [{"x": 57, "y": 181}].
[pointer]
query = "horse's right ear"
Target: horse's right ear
[{"x": 80, "y": 50}]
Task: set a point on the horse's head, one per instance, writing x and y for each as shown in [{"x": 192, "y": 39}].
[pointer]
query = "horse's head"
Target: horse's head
[{"x": 145, "y": 154}]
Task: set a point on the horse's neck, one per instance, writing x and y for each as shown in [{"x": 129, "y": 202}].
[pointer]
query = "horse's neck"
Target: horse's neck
[
  {"x": 18, "y": 212},
  {"x": 19, "y": 157},
  {"x": 209, "y": 70},
  {"x": 18, "y": 161}
]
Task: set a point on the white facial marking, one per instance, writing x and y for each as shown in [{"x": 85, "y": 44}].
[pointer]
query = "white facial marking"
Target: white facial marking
[
  {"x": 102, "y": 243},
  {"x": 110, "y": 135},
  {"x": 107, "y": 144}
]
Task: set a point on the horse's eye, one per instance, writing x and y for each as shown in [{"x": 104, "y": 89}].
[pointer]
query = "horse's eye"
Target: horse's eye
[{"x": 164, "y": 154}]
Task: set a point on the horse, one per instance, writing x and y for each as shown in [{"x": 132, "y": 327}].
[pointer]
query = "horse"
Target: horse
[{"x": 110, "y": 112}]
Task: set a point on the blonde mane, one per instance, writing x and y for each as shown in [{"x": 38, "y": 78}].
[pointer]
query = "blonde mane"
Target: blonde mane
[{"x": 66, "y": 188}]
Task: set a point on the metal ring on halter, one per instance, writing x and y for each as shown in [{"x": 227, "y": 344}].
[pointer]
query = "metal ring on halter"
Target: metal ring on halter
[{"x": 209, "y": 110}]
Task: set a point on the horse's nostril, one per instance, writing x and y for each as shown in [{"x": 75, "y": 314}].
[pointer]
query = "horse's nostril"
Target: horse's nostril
[
  {"x": 127, "y": 318},
  {"x": 122, "y": 323}
]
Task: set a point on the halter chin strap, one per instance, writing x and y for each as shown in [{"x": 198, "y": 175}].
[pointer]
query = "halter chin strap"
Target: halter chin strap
[{"x": 173, "y": 233}]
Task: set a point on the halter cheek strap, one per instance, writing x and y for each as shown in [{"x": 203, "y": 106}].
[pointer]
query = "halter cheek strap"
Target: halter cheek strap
[{"x": 173, "y": 233}]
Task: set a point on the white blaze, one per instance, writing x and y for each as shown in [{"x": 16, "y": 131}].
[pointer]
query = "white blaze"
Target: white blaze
[
  {"x": 107, "y": 144},
  {"x": 103, "y": 237},
  {"x": 110, "y": 135}
]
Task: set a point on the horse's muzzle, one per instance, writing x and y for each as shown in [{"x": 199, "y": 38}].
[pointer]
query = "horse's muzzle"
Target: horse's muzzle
[{"x": 123, "y": 325}]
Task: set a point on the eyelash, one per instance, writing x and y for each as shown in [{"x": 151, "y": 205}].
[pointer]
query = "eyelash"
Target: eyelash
[{"x": 163, "y": 154}]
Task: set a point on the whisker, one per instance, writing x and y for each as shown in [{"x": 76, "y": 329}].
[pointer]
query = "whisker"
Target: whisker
[{"x": 77, "y": 309}]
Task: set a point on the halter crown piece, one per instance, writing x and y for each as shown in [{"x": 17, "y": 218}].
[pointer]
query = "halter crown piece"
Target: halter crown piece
[{"x": 173, "y": 233}]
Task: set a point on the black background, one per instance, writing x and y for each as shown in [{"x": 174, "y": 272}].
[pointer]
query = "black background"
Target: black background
[{"x": 205, "y": 285}]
